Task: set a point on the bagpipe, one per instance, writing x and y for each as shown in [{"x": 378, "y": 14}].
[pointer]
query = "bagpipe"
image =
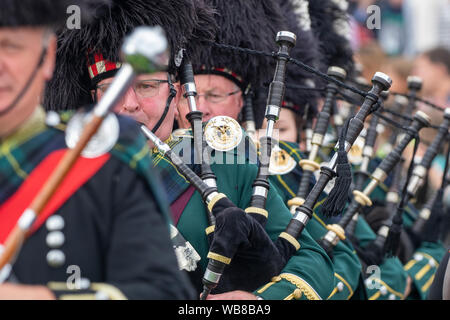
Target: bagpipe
[
  {"x": 310, "y": 165},
  {"x": 361, "y": 198},
  {"x": 304, "y": 212},
  {"x": 285, "y": 40},
  {"x": 389, "y": 223},
  {"x": 195, "y": 118},
  {"x": 239, "y": 235}
]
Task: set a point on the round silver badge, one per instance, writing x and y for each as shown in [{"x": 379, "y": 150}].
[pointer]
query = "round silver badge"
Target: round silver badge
[
  {"x": 223, "y": 133},
  {"x": 102, "y": 142},
  {"x": 280, "y": 162}
]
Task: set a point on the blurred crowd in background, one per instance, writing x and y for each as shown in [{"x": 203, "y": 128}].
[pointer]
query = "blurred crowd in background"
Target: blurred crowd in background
[{"x": 412, "y": 38}]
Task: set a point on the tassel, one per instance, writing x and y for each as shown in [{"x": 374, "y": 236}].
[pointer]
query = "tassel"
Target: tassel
[{"x": 335, "y": 203}]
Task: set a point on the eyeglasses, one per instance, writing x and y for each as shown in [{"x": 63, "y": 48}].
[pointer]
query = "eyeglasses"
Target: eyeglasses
[
  {"x": 211, "y": 97},
  {"x": 142, "y": 88}
]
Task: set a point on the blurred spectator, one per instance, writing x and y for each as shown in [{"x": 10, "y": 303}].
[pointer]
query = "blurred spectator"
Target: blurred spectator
[
  {"x": 361, "y": 35},
  {"x": 371, "y": 57},
  {"x": 398, "y": 68},
  {"x": 407, "y": 27},
  {"x": 428, "y": 24},
  {"x": 433, "y": 66},
  {"x": 392, "y": 34}
]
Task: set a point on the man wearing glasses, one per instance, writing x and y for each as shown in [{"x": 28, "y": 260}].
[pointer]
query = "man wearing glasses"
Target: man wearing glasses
[
  {"x": 217, "y": 95},
  {"x": 309, "y": 273},
  {"x": 143, "y": 101}
]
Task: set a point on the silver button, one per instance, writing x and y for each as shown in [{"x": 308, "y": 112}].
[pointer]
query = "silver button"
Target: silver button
[
  {"x": 340, "y": 286},
  {"x": 418, "y": 257},
  {"x": 383, "y": 290},
  {"x": 55, "y": 239},
  {"x": 52, "y": 119},
  {"x": 392, "y": 297},
  {"x": 55, "y": 223},
  {"x": 85, "y": 283},
  {"x": 56, "y": 258}
]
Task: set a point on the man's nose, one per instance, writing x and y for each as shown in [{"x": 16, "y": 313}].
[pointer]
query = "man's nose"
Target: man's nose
[{"x": 130, "y": 102}]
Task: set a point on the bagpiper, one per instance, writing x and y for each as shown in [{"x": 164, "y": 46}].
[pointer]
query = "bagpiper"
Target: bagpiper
[{"x": 97, "y": 235}]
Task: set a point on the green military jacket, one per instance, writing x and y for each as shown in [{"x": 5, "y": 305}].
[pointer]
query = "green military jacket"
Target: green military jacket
[
  {"x": 422, "y": 268},
  {"x": 388, "y": 280},
  {"x": 307, "y": 275},
  {"x": 423, "y": 264},
  {"x": 346, "y": 263}
]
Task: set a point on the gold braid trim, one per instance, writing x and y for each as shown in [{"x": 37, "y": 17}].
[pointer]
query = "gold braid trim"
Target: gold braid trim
[
  {"x": 218, "y": 257},
  {"x": 426, "y": 255},
  {"x": 409, "y": 265},
  {"x": 290, "y": 239},
  {"x": 419, "y": 275},
  {"x": 362, "y": 199},
  {"x": 214, "y": 200},
  {"x": 309, "y": 165},
  {"x": 346, "y": 283},
  {"x": 332, "y": 293},
  {"x": 267, "y": 285},
  {"x": 210, "y": 229},
  {"x": 295, "y": 202},
  {"x": 427, "y": 284},
  {"x": 337, "y": 229},
  {"x": 255, "y": 210},
  {"x": 301, "y": 284},
  {"x": 297, "y": 294},
  {"x": 389, "y": 289},
  {"x": 112, "y": 292},
  {"x": 375, "y": 296}
]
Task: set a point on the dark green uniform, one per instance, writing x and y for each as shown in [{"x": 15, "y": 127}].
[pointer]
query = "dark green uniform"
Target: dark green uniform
[
  {"x": 347, "y": 276},
  {"x": 424, "y": 262},
  {"x": 308, "y": 274}
]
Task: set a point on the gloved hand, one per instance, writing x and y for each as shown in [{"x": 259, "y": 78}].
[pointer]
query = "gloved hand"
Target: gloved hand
[{"x": 254, "y": 257}]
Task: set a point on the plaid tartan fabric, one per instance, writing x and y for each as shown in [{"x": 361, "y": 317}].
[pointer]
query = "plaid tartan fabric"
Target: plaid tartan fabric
[
  {"x": 174, "y": 182},
  {"x": 24, "y": 150},
  {"x": 21, "y": 152}
]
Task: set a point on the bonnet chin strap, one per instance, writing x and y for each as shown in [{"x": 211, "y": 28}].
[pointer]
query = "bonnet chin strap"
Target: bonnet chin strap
[
  {"x": 172, "y": 95},
  {"x": 28, "y": 83}
]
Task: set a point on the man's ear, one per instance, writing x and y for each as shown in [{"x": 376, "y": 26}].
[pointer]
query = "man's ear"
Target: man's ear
[
  {"x": 241, "y": 101},
  {"x": 50, "y": 58}
]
